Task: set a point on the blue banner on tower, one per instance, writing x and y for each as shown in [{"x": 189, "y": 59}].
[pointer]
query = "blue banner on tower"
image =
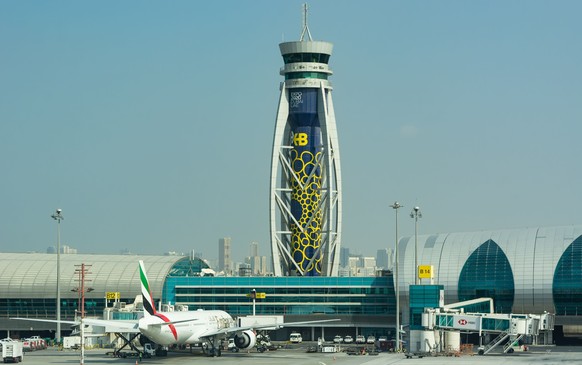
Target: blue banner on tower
[{"x": 305, "y": 159}]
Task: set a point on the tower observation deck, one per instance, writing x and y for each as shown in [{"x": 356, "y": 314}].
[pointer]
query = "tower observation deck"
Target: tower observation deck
[{"x": 305, "y": 189}]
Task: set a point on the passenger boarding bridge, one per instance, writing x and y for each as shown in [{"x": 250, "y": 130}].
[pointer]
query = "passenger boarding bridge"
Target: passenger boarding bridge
[{"x": 452, "y": 318}]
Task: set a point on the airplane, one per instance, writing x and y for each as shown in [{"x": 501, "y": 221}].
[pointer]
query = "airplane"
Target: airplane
[{"x": 200, "y": 327}]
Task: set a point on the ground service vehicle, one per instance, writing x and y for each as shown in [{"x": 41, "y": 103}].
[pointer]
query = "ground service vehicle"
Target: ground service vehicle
[
  {"x": 12, "y": 351},
  {"x": 295, "y": 338},
  {"x": 149, "y": 350},
  {"x": 40, "y": 342}
]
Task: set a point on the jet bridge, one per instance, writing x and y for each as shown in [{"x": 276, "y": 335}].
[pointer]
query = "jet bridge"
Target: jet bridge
[{"x": 506, "y": 326}]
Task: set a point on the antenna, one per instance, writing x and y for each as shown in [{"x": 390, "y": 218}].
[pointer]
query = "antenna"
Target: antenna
[{"x": 305, "y": 26}]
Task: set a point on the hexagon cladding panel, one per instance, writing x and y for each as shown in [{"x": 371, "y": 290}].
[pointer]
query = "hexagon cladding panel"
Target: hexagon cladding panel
[
  {"x": 305, "y": 158},
  {"x": 306, "y": 201}
]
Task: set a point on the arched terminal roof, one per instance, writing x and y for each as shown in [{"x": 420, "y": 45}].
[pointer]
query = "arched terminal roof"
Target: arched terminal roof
[
  {"x": 537, "y": 269},
  {"x": 34, "y": 275}
]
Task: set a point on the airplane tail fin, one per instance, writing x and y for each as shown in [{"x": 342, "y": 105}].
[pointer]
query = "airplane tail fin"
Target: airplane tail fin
[{"x": 148, "y": 301}]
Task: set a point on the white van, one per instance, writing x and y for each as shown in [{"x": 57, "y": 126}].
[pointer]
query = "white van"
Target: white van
[{"x": 295, "y": 338}]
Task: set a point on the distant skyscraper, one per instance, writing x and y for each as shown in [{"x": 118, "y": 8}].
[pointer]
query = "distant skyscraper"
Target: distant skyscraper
[
  {"x": 258, "y": 263},
  {"x": 224, "y": 260},
  {"x": 382, "y": 258},
  {"x": 305, "y": 194},
  {"x": 344, "y": 256},
  {"x": 254, "y": 249}
]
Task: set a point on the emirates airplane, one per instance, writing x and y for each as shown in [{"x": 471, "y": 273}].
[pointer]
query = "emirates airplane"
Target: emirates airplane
[{"x": 186, "y": 328}]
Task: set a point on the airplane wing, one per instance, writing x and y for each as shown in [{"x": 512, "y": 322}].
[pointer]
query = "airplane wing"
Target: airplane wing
[
  {"x": 118, "y": 324},
  {"x": 110, "y": 325},
  {"x": 46, "y": 320},
  {"x": 272, "y": 326}
]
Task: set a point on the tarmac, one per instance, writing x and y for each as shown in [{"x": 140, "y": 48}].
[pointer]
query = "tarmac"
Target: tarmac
[{"x": 549, "y": 355}]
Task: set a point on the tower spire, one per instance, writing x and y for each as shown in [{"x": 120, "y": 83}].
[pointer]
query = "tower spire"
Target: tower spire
[
  {"x": 305, "y": 26},
  {"x": 305, "y": 201}
]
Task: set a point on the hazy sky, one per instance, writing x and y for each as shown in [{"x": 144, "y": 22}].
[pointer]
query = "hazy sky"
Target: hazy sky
[{"x": 150, "y": 123}]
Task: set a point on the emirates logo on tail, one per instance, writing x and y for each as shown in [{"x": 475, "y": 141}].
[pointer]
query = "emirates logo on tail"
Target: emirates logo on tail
[{"x": 148, "y": 300}]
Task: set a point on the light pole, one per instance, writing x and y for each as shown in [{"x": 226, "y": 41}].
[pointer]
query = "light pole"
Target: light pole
[
  {"x": 58, "y": 217},
  {"x": 396, "y": 206},
  {"x": 416, "y": 214}
]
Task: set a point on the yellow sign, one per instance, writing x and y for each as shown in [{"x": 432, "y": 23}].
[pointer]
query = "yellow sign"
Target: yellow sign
[
  {"x": 112, "y": 295},
  {"x": 300, "y": 139},
  {"x": 257, "y": 295},
  {"x": 425, "y": 272}
]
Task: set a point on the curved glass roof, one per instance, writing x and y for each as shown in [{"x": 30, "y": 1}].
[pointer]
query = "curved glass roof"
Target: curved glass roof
[
  {"x": 567, "y": 283},
  {"x": 487, "y": 273}
]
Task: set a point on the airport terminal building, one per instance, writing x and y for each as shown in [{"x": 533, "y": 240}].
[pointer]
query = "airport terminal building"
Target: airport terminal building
[
  {"x": 524, "y": 270},
  {"x": 365, "y": 305},
  {"x": 528, "y": 270}
]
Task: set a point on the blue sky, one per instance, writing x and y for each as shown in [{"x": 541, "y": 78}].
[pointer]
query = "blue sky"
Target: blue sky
[{"x": 150, "y": 123}]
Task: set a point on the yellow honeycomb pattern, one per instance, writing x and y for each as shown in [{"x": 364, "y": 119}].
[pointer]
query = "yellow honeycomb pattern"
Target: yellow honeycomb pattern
[{"x": 305, "y": 243}]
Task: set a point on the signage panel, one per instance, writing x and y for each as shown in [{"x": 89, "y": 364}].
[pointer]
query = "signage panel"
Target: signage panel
[
  {"x": 110, "y": 295},
  {"x": 466, "y": 323},
  {"x": 425, "y": 271}
]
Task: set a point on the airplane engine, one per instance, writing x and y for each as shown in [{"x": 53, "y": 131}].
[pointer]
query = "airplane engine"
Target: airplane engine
[{"x": 245, "y": 340}]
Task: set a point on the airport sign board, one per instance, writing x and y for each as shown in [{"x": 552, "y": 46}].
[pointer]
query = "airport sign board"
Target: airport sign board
[
  {"x": 112, "y": 295},
  {"x": 425, "y": 272},
  {"x": 472, "y": 323}
]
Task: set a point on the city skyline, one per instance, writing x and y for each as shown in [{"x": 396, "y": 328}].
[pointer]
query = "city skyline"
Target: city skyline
[{"x": 140, "y": 120}]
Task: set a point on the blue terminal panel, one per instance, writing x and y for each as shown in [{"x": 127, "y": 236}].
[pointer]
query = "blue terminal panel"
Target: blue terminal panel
[
  {"x": 306, "y": 185},
  {"x": 289, "y": 295},
  {"x": 422, "y": 296}
]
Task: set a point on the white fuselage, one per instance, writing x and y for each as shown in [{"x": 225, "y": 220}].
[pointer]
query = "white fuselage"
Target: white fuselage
[{"x": 198, "y": 324}]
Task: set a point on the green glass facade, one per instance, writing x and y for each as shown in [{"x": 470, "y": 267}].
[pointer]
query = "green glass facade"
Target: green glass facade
[
  {"x": 285, "y": 295},
  {"x": 487, "y": 273},
  {"x": 422, "y": 296},
  {"x": 567, "y": 283},
  {"x": 305, "y": 75},
  {"x": 306, "y": 57}
]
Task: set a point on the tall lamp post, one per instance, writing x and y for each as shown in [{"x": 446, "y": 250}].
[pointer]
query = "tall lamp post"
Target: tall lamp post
[
  {"x": 58, "y": 217},
  {"x": 396, "y": 206},
  {"x": 416, "y": 214}
]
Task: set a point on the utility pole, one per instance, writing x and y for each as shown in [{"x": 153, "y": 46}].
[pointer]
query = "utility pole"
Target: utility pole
[{"x": 81, "y": 289}]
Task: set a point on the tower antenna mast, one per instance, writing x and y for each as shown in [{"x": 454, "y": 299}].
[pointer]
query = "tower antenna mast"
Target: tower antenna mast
[{"x": 305, "y": 26}]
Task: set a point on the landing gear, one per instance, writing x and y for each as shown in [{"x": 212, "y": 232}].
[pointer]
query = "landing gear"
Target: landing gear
[
  {"x": 216, "y": 352},
  {"x": 212, "y": 348}
]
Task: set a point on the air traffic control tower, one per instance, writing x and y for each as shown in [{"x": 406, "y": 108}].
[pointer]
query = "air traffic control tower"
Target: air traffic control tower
[{"x": 305, "y": 191}]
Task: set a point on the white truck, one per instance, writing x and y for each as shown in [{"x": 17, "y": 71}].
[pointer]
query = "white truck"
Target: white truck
[
  {"x": 295, "y": 337},
  {"x": 12, "y": 351},
  {"x": 72, "y": 342}
]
